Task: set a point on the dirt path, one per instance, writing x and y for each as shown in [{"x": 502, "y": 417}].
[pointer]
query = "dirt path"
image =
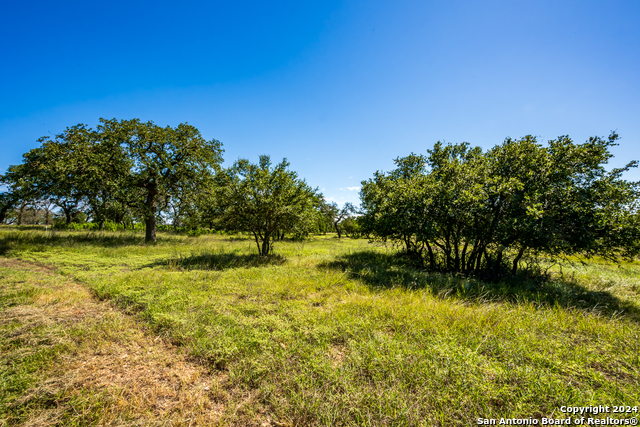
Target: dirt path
[{"x": 94, "y": 365}]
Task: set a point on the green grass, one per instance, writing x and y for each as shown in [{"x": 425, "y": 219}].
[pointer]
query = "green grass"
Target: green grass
[
  {"x": 68, "y": 360},
  {"x": 343, "y": 332}
]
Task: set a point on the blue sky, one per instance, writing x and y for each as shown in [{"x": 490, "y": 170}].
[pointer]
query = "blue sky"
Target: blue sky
[{"x": 339, "y": 88}]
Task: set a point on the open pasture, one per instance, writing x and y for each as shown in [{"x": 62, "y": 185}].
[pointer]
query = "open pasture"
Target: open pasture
[{"x": 324, "y": 332}]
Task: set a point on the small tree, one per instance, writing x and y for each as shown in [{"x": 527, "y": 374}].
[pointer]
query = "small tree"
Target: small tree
[
  {"x": 351, "y": 227},
  {"x": 336, "y": 214},
  {"x": 264, "y": 200}
]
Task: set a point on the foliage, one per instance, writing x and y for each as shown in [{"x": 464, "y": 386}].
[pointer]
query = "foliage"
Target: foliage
[
  {"x": 165, "y": 163},
  {"x": 7, "y": 200},
  {"x": 59, "y": 170},
  {"x": 336, "y": 215},
  {"x": 105, "y": 226},
  {"x": 264, "y": 201},
  {"x": 455, "y": 209},
  {"x": 351, "y": 227},
  {"x": 462, "y": 209},
  {"x": 75, "y": 170},
  {"x": 120, "y": 170}
]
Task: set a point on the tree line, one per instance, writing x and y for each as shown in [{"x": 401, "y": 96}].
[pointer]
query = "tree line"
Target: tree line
[
  {"x": 128, "y": 172},
  {"x": 457, "y": 208}
]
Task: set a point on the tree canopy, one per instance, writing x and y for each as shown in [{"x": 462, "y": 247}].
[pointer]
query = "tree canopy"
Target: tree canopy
[
  {"x": 461, "y": 209},
  {"x": 163, "y": 162},
  {"x": 264, "y": 200},
  {"x": 121, "y": 168},
  {"x": 456, "y": 208}
]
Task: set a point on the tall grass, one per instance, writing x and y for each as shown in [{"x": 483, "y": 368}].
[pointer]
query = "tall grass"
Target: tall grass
[{"x": 342, "y": 332}]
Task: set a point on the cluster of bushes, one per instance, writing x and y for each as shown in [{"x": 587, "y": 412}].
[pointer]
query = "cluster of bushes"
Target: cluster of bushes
[
  {"x": 351, "y": 227},
  {"x": 462, "y": 209}
]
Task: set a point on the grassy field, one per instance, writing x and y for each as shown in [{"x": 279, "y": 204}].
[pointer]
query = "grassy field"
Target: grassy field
[{"x": 326, "y": 332}]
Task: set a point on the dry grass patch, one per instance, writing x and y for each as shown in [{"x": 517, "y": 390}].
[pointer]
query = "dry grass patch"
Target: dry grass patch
[
  {"x": 104, "y": 369},
  {"x": 336, "y": 355}
]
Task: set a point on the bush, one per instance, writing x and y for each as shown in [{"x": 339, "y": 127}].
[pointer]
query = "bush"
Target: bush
[{"x": 461, "y": 209}]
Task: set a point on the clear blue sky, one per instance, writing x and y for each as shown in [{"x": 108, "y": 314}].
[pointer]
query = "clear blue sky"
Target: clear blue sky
[{"x": 339, "y": 88}]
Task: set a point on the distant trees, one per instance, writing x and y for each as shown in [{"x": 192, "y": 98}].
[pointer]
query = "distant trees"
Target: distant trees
[
  {"x": 58, "y": 170},
  {"x": 351, "y": 226},
  {"x": 336, "y": 215},
  {"x": 462, "y": 209},
  {"x": 264, "y": 200}
]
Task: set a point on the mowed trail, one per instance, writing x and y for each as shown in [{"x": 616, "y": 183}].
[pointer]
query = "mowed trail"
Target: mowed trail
[{"x": 90, "y": 364}]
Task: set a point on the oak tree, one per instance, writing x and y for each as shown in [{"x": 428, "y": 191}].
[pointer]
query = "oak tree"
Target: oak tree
[{"x": 163, "y": 161}]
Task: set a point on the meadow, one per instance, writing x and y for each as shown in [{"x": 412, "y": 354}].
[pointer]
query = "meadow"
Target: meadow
[{"x": 324, "y": 332}]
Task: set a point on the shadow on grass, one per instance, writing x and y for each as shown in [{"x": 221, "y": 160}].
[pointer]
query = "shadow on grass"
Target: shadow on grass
[
  {"x": 219, "y": 261},
  {"x": 383, "y": 271}
]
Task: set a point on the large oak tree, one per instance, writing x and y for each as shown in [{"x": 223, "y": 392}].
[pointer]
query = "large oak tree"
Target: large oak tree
[
  {"x": 122, "y": 166},
  {"x": 164, "y": 160}
]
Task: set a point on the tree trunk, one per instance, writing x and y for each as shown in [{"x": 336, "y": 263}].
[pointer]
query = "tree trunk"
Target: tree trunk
[
  {"x": 487, "y": 258},
  {"x": 257, "y": 241},
  {"x": 479, "y": 258},
  {"x": 150, "y": 221},
  {"x": 150, "y": 229},
  {"x": 266, "y": 247},
  {"x": 67, "y": 214},
  {"x": 514, "y": 268},
  {"x": 447, "y": 251},
  {"x": 456, "y": 260},
  {"x": 407, "y": 244},
  {"x": 498, "y": 264},
  {"x": 335, "y": 224},
  {"x": 21, "y": 212},
  {"x": 471, "y": 261},
  {"x": 432, "y": 260},
  {"x": 463, "y": 256}
]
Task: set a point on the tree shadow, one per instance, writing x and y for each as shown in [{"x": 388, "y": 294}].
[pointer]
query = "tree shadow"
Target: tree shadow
[
  {"x": 218, "y": 261},
  {"x": 383, "y": 271},
  {"x": 105, "y": 239},
  {"x": 4, "y": 247}
]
